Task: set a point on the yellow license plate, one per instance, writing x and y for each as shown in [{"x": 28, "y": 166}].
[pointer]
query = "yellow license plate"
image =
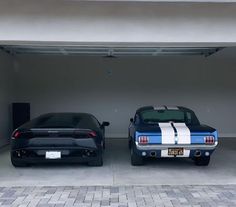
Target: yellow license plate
[{"x": 175, "y": 151}]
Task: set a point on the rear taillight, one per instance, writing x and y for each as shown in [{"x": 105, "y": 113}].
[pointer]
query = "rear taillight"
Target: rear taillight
[
  {"x": 23, "y": 134},
  {"x": 209, "y": 140},
  {"x": 143, "y": 139},
  {"x": 16, "y": 135},
  {"x": 92, "y": 134},
  {"x": 85, "y": 134}
]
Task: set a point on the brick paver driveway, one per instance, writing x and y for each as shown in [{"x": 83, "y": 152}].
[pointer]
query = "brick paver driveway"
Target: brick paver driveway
[{"x": 120, "y": 196}]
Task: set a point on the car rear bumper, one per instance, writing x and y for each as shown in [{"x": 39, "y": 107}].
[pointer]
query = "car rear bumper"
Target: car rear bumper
[
  {"x": 193, "y": 150},
  {"x": 39, "y": 160},
  {"x": 33, "y": 155},
  {"x": 185, "y": 146},
  {"x": 34, "y": 151}
]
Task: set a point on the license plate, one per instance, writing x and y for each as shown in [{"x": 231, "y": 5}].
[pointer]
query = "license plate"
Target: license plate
[
  {"x": 175, "y": 151},
  {"x": 53, "y": 155}
]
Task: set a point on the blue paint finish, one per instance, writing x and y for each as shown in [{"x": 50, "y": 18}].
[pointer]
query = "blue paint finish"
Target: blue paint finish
[
  {"x": 154, "y": 138},
  {"x": 198, "y": 138},
  {"x": 215, "y": 133}
]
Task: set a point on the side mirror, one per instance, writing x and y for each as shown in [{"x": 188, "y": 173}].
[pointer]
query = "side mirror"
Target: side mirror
[
  {"x": 131, "y": 120},
  {"x": 105, "y": 123}
]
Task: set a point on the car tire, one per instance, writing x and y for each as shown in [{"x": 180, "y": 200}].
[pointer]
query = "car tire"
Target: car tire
[
  {"x": 17, "y": 163},
  {"x": 96, "y": 163},
  {"x": 136, "y": 160},
  {"x": 104, "y": 145},
  {"x": 129, "y": 143},
  {"x": 202, "y": 161}
]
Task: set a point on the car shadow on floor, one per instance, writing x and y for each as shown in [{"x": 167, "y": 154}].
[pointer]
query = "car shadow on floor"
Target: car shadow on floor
[
  {"x": 120, "y": 154},
  {"x": 117, "y": 169}
]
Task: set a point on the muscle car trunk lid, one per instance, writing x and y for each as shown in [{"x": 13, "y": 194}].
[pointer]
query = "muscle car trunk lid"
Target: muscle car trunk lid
[{"x": 175, "y": 133}]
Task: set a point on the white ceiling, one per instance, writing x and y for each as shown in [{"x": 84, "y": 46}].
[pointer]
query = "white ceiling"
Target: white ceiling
[{"x": 126, "y": 22}]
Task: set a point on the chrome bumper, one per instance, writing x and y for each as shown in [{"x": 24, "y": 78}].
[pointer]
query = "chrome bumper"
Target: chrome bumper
[{"x": 185, "y": 146}]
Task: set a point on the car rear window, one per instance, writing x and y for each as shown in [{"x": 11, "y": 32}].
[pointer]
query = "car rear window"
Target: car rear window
[
  {"x": 155, "y": 116},
  {"x": 65, "y": 121}
]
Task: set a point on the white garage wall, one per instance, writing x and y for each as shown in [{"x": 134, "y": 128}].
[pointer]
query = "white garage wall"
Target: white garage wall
[
  {"x": 126, "y": 22},
  {"x": 6, "y": 89},
  {"x": 113, "y": 88}
]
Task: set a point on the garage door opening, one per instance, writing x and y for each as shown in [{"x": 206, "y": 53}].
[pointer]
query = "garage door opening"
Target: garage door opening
[{"x": 112, "y": 83}]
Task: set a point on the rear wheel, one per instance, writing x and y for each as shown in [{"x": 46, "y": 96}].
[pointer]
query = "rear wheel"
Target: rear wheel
[
  {"x": 104, "y": 144},
  {"x": 202, "y": 161},
  {"x": 17, "y": 163},
  {"x": 96, "y": 163},
  {"x": 129, "y": 143},
  {"x": 136, "y": 160}
]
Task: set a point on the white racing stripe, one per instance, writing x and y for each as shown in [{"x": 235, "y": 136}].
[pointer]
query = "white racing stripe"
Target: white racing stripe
[
  {"x": 168, "y": 137},
  {"x": 159, "y": 108},
  {"x": 167, "y": 133},
  {"x": 183, "y": 133},
  {"x": 172, "y": 108}
]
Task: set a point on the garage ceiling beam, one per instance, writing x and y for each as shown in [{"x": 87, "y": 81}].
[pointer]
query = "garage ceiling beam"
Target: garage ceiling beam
[{"x": 110, "y": 51}]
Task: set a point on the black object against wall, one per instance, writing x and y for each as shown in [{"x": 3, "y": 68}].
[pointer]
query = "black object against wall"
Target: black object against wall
[{"x": 20, "y": 114}]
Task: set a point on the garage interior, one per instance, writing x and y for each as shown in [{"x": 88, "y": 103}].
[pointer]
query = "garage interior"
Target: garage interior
[
  {"x": 109, "y": 58},
  {"x": 120, "y": 82},
  {"x": 111, "y": 83}
]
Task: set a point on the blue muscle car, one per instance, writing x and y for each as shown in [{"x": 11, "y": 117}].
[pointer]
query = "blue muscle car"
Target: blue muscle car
[{"x": 170, "y": 132}]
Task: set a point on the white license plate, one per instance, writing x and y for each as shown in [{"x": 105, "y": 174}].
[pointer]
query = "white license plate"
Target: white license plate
[
  {"x": 176, "y": 151},
  {"x": 53, "y": 155}
]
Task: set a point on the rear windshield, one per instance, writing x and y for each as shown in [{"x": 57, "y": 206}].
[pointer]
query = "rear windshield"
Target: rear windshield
[
  {"x": 155, "y": 116},
  {"x": 65, "y": 121}
]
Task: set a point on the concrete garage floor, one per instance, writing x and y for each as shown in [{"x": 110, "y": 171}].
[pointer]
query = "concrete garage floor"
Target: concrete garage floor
[{"x": 118, "y": 171}]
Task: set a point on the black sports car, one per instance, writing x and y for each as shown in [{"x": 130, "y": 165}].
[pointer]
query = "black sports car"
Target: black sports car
[{"x": 64, "y": 137}]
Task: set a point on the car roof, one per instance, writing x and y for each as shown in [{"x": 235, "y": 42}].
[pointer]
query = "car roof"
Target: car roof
[
  {"x": 162, "y": 107},
  {"x": 66, "y": 114},
  {"x": 61, "y": 115}
]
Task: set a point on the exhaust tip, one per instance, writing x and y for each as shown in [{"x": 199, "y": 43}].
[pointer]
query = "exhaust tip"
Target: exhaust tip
[
  {"x": 197, "y": 153},
  {"x": 153, "y": 154}
]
